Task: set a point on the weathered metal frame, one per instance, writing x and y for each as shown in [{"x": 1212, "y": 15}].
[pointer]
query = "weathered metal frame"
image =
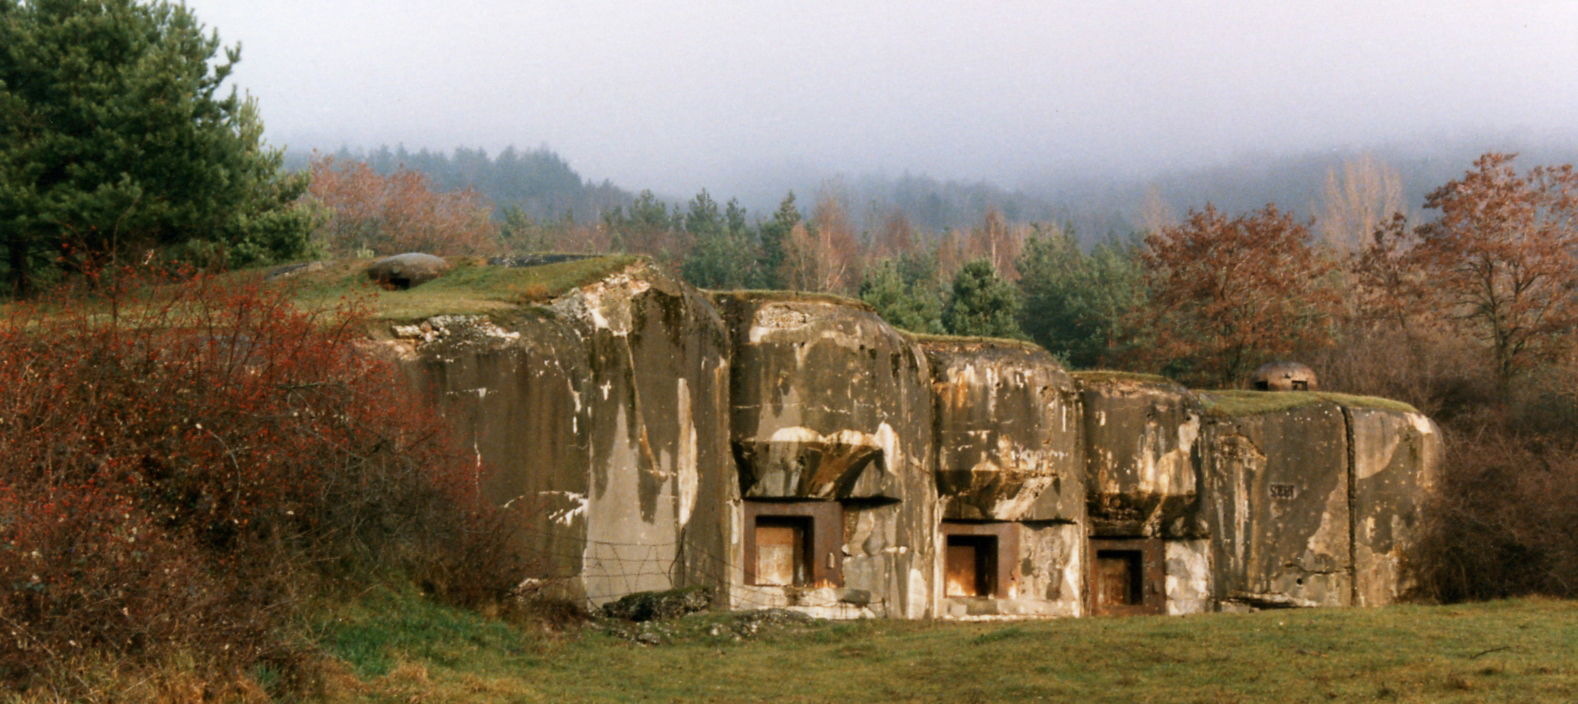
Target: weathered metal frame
[
  {"x": 1007, "y": 535},
  {"x": 1153, "y": 579},
  {"x": 825, "y": 556}
]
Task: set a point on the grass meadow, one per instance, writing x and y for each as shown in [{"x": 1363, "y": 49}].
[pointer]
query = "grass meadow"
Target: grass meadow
[{"x": 400, "y": 648}]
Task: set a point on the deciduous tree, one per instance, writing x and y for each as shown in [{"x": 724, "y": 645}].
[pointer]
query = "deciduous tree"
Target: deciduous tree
[
  {"x": 838, "y": 252},
  {"x": 1502, "y": 256},
  {"x": 1358, "y": 202},
  {"x": 1229, "y": 294},
  {"x": 397, "y": 213},
  {"x": 995, "y": 240},
  {"x": 822, "y": 255}
]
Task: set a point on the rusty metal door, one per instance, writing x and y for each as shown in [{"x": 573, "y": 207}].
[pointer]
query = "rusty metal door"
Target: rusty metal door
[
  {"x": 1126, "y": 576},
  {"x": 1117, "y": 576},
  {"x": 780, "y": 554},
  {"x": 961, "y": 567}
]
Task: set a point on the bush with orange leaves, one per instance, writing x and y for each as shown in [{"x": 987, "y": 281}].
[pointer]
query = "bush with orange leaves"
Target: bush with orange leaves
[
  {"x": 183, "y": 462},
  {"x": 398, "y": 212}
]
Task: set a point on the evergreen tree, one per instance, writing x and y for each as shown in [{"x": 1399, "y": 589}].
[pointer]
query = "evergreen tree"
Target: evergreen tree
[
  {"x": 982, "y": 305},
  {"x": 775, "y": 238},
  {"x": 907, "y": 303},
  {"x": 115, "y": 139},
  {"x": 1074, "y": 303},
  {"x": 703, "y": 219},
  {"x": 720, "y": 255},
  {"x": 537, "y": 182}
]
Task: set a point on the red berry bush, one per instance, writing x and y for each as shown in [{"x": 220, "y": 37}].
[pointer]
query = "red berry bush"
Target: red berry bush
[{"x": 179, "y": 463}]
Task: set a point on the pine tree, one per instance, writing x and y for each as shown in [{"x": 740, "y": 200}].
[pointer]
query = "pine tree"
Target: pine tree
[
  {"x": 721, "y": 255},
  {"x": 1075, "y": 303},
  {"x": 982, "y": 305},
  {"x": 116, "y": 140},
  {"x": 908, "y": 304},
  {"x": 775, "y": 237}
]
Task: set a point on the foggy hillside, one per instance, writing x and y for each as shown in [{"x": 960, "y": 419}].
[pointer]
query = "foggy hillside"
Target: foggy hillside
[
  {"x": 537, "y": 181},
  {"x": 543, "y": 184}
]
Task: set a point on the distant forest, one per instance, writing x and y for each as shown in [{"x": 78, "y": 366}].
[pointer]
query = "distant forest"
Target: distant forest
[
  {"x": 537, "y": 182},
  {"x": 541, "y": 186}
]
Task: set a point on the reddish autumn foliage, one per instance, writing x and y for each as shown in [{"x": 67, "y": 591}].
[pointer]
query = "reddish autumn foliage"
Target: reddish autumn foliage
[
  {"x": 1230, "y": 294},
  {"x": 181, "y": 461},
  {"x": 398, "y": 212},
  {"x": 1503, "y": 257}
]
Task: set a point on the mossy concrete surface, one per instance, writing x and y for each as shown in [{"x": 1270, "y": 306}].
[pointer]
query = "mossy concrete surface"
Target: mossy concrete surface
[
  {"x": 470, "y": 287},
  {"x": 1235, "y": 403}
]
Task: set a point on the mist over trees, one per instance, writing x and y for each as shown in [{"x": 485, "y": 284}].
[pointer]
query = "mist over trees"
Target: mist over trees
[
  {"x": 1345, "y": 191},
  {"x": 536, "y": 183}
]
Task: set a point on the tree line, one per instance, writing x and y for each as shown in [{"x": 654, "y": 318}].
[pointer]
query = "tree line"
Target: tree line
[
  {"x": 530, "y": 183},
  {"x": 1204, "y": 297}
]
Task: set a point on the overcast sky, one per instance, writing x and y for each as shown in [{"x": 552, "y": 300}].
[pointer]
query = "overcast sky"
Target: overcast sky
[{"x": 676, "y": 95}]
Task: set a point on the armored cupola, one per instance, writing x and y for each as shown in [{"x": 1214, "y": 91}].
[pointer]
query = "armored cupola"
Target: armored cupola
[{"x": 1283, "y": 376}]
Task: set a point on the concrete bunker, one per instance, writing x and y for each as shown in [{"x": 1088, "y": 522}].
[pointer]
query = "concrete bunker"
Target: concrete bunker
[{"x": 796, "y": 451}]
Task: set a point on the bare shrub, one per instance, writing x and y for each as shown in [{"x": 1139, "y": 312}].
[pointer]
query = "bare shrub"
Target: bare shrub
[
  {"x": 1442, "y": 375},
  {"x": 398, "y": 212},
  {"x": 1503, "y": 523}
]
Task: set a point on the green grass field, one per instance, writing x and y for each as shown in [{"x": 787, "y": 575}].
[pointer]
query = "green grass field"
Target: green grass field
[{"x": 398, "y": 648}]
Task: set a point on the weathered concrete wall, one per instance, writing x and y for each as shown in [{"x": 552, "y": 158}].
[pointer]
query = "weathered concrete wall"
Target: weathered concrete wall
[
  {"x": 831, "y": 403},
  {"x": 1277, "y": 507},
  {"x": 604, "y": 419},
  {"x": 657, "y": 401},
  {"x": 1314, "y": 503},
  {"x": 1140, "y": 456},
  {"x": 515, "y": 396},
  {"x": 1395, "y": 456},
  {"x": 1188, "y": 575},
  {"x": 1007, "y": 433},
  {"x": 1051, "y": 570}
]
